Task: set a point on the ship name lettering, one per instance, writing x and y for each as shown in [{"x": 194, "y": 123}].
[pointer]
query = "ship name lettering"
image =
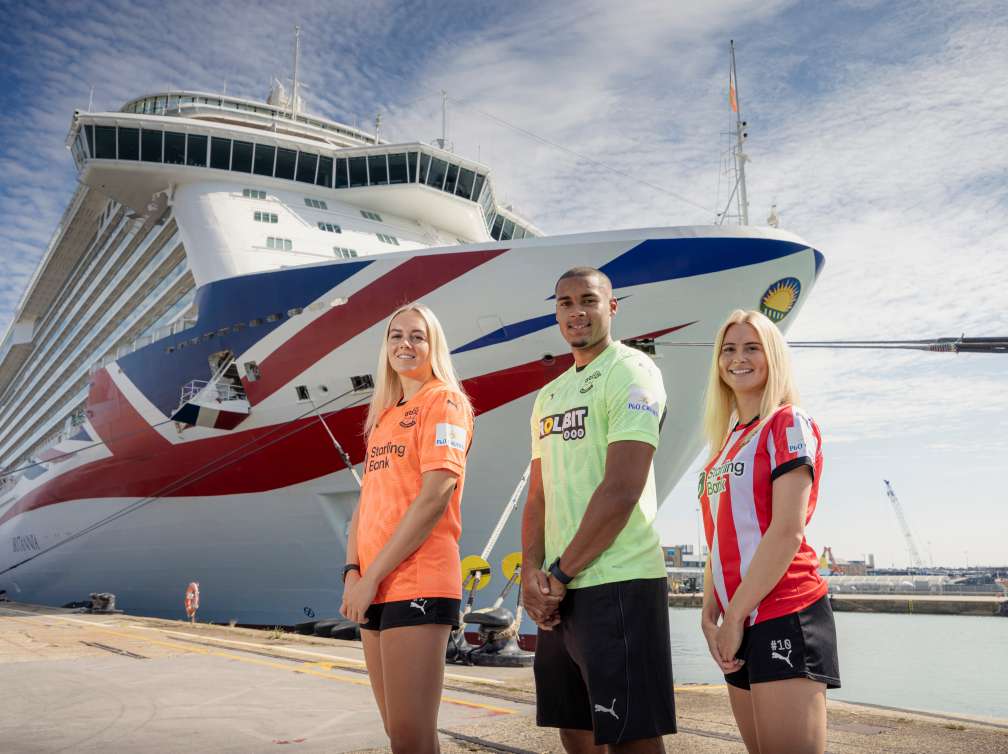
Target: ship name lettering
[{"x": 25, "y": 543}]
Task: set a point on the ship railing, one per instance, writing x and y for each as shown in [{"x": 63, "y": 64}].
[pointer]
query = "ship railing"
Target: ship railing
[{"x": 219, "y": 391}]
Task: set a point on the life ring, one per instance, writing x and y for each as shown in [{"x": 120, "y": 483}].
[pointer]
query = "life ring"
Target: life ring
[{"x": 192, "y": 599}]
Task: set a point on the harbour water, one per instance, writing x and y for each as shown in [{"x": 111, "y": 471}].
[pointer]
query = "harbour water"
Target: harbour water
[{"x": 937, "y": 663}]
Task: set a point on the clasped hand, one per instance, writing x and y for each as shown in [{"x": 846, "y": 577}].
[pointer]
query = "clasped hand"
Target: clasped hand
[
  {"x": 358, "y": 594},
  {"x": 723, "y": 640},
  {"x": 541, "y": 596}
]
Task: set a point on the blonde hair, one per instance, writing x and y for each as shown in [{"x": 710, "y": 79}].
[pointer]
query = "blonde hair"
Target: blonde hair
[
  {"x": 388, "y": 387},
  {"x": 720, "y": 411}
]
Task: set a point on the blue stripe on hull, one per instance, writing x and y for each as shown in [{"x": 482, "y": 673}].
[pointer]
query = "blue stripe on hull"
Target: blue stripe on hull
[
  {"x": 662, "y": 259},
  {"x": 159, "y": 375}
]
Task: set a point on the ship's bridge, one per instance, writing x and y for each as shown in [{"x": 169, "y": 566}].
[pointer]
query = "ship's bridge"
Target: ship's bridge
[{"x": 184, "y": 137}]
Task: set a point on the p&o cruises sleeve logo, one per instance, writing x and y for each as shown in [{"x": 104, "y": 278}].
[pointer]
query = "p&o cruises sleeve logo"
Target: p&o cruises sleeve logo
[{"x": 780, "y": 298}]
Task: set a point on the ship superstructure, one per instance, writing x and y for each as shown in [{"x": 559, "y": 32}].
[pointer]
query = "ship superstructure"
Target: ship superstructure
[{"x": 215, "y": 293}]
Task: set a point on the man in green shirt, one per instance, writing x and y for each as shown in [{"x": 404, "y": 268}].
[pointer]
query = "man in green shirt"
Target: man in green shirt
[{"x": 593, "y": 573}]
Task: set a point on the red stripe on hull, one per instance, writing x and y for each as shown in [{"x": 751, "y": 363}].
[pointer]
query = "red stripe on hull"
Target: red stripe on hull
[
  {"x": 365, "y": 308},
  {"x": 255, "y": 460}
]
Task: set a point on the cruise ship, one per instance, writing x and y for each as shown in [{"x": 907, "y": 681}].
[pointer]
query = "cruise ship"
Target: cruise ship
[{"x": 194, "y": 354}]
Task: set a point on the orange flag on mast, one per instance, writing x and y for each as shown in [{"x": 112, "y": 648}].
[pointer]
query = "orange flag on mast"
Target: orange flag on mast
[{"x": 731, "y": 96}]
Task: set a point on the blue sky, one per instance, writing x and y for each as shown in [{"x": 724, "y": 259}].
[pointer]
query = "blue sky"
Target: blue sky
[{"x": 878, "y": 128}]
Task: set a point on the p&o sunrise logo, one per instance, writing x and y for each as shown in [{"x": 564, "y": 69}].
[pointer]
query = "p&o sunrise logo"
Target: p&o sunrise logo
[{"x": 780, "y": 298}]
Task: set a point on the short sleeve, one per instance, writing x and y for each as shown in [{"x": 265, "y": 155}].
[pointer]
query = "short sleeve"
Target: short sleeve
[
  {"x": 635, "y": 400},
  {"x": 445, "y": 433},
  {"x": 534, "y": 429},
  {"x": 791, "y": 442}
]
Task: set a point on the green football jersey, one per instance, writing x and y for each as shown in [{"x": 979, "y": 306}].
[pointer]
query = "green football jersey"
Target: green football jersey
[{"x": 618, "y": 396}]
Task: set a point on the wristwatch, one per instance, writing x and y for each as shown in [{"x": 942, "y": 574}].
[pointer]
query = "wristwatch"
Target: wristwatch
[
  {"x": 350, "y": 567},
  {"x": 559, "y": 575}
]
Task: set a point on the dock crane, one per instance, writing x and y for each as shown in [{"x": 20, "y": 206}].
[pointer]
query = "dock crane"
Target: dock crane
[{"x": 915, "y": 558}]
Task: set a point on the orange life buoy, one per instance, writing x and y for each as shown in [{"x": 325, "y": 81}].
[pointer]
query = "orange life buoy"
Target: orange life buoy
[{"x": 192, "y": 599}]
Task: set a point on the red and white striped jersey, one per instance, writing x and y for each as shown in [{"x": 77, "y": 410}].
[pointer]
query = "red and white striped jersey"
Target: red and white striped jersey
[{"x": 736, "y": 496}]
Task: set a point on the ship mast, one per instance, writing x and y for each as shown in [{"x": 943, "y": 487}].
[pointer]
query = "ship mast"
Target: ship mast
[
  {"x": 738, "y": 193},
  {"x": 294, "y": 86},
  {"x": 740, "y": 137}
]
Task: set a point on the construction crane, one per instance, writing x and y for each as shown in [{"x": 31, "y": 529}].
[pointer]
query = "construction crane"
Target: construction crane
[{"x": 915, "y": 558}]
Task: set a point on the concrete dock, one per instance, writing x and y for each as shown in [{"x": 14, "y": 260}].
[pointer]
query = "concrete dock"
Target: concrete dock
[{"x": 83, "y": 683}]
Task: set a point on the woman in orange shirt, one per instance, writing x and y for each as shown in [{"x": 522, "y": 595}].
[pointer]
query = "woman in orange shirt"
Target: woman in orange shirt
[{"x": 402, "y": 580}]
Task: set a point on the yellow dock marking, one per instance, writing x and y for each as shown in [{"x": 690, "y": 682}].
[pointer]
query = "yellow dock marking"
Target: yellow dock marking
[{"x": 304, "y": 670}]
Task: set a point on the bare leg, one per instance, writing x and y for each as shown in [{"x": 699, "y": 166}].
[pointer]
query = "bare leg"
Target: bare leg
[
  {"x": 413, "y": 659},
  {"x": 790, "y": 715},
  {"x": 742, "y": 708},
  {"x": 640, "y": 746},
  {"x": 373, "y": 660},
  {"x": 577, "y": 741}
]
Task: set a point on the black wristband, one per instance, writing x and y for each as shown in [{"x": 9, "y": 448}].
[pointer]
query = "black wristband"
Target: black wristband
[
  {"x": 559, "y": 575},
  {"x": 350, "y": 567}
]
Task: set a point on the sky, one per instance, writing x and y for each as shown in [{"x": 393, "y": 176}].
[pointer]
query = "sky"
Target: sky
[{"x": 877, "y": 128}]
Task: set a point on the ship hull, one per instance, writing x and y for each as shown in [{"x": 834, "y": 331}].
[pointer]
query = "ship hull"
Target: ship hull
[{"x": 258, "y": 514}]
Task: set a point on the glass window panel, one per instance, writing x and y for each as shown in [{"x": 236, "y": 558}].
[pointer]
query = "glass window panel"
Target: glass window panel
[
  {"x": 358, "y": 171},
  {"x": 477, "y": 187},
  {"x": 378, "y": 169},
  {"x": 285, "y": 163},
  {"x": 507, "y": 231},
  {"x": 411, "y": 166},
  {"x": 519, "y": 232},
  {"x": 341, "y": 173},
  {"x": 159, "y": 105},
  {"x": 105, "y": 142},
  {"x": 263, "y": 162},
  {"x": 241, "y": 157},
  {"x": 173, "y": 103},
  {"x": 185, "y": 100},
  {"x": 424, "y": 166},
  {"x": 452, "y": 178},
  {"x": 220, "y": 153},
  {"x": 465, "y": 183},
  {"x": 150, "y": 143},
  {"x": 497, "y": 227},
  {"x": 324, "y": 177},
  {"x": 438, "y": 170},
  {"x": 306, "y": 167},
  {"x": 129, "y": 143},
  {"x": 397, "y": 168},
  {"x": 196, "y": 155},
  {"x": 89, "y": 132},
  {"x": 174, "y": 148}
]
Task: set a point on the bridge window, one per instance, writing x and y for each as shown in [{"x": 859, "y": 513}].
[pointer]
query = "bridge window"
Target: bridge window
[
  {"x": 129, "y": 143},
  {"x": 411, "y": 166},
  {"x": 397, "y": 168},
  {"x": 464, "y": 187},
  {"x": 174, "y": 148},
  {"x": 497, "y": 227},
  {"x": 241, "y": 157},
  {"x": 358, "y": 171},
  {"x": 507, "y": 231},
  {"x": 377, "y": 169},
  {"x": 477, "y": 187},
  {"x": 451, "y": 178},
  {"x": 196, "y": 155},
  {"x": 105, "y": 142},
  {"x": 342, "y": 181},
  {"x": 265, "y": 155},
  {"x": 330, "y": 228},
  {"x": 306, "y": 167},
  {"x": 438, "y": 171},
  {"x": 325, "y": 171},
  {"x": 424, "y": 167},
  {"x": 150, "y": 145},
  {"x": 220, "y": 153},
  {"x": 285, "y": 163}
]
